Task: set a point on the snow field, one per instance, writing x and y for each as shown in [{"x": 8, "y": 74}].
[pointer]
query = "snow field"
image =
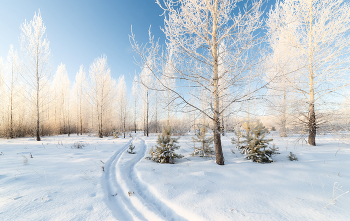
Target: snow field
[
  {"x": 58, "y": 183},
  {"x": 61, "y": 183},
  {"x": 243, "y": 190}
]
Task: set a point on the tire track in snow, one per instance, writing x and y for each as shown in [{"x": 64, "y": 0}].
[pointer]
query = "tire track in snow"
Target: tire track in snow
[
  {"x": 121, "y": 178},
  {"x": 111, "y": 189},
  {"x": 169, "y": 210}
]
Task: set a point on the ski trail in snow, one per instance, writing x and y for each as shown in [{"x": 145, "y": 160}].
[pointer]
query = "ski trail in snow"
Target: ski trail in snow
[
  {"x": 126, "y": 195},
  {"x": 111, "y": 188},
  {"x": 169, "y": 210}
]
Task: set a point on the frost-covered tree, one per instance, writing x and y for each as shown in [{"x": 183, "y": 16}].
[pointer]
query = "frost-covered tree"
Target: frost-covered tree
[
  {"x": 281, "y": 68},
  {"x": 319, "y": 32},
  {"x": 168, "y": 77},
  {"x": 80, "y": 92},
  {"x": 145, "y": 80},
  {"x": 36, "y": 56},
  {"x": 61, "y": 101},
  {"x": 194, "y": 31},
  {"x": 135, "y": 96},
  {"x": 101, "y": 92},
  {"x": 12, "y": 68},
  {"x": 2, "y": 93},
  {"x": 122, "y": 103}
]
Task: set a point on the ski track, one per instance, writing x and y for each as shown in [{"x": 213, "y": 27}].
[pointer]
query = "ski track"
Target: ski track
[{"x": 120, "y": 178}]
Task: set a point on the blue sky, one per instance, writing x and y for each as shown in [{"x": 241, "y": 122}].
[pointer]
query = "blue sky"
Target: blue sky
[{"x": 81, "y": 30}]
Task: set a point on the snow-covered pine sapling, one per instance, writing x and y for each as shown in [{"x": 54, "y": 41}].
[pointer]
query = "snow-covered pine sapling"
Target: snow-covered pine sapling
[
  {"x": 116, "y": 134},
  {"x": 292, "y": 157},
  {"x": 252, "y": 142},
  {"x": 78, "y": 145},
  {"x": 131, "y": 149},
  {"x": 205, "y": 149},
  {"x": 164, "y": 151}
]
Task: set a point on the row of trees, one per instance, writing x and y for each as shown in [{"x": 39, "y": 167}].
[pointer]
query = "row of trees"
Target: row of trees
[
  {"x": 221, "y": 61},
  {"x": 92, "y": 104},
  {"x": 30, "y": 96},
  {"x": 35, "y": 103},
  {"x": 222, "y": 53}
]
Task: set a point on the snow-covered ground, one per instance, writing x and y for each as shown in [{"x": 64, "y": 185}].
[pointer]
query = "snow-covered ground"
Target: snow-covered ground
[{"x": 102, "y": 181}]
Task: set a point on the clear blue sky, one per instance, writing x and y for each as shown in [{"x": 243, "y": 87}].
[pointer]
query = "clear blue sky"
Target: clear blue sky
[{"x": 81, "y": 30}]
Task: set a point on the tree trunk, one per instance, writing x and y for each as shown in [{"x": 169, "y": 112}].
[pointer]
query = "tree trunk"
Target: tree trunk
[
  {"x": 147, "y": 128},
  {"x": 312, "y": 126},
  {"x": 144, "y": 123},
  {"x": 11, "y": 117},
  {"x": 217, "y": 135},
  {"x": 217, "y": 142},
  {"x": 11, "y": 105},
  {"x": 312, "y": 115},
  {"x": 222, "y": 126},
  {"x": 99, "y": 119},
  {"x": 124, "y": 123},
  {"x": 37, "y": 102},
  {"x": 135, "y": 115},
  {"x": 283, "y": 132},
  {"x": 81, "y": 119},
  {"x": 156, "y": 113}
]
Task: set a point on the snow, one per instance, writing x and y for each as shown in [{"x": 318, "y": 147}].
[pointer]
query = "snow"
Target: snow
[{"x": 102, "y": 181}]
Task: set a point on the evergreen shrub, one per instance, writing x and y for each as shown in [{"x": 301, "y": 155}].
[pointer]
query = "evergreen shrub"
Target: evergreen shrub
[{"x": 251, "y": 141}]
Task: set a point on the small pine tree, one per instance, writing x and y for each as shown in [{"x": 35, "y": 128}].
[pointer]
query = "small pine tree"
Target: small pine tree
[
  {"x": 131, "y": 149},
  {"x": 164, "y": 151},
  {"x": 205, "y": 148},
  {"x": 252, "y": 142},
  {"x": 116, "y": 134},
  {"x": 292, "y": 157}
]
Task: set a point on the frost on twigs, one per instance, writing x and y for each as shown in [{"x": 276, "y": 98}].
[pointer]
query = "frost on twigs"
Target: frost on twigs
[
  {"x": 251, "y": 141},
  {"x": 337, "y": 192},
  {"x": 164, "y": 151},
  {"x": 205, "y": 148}
]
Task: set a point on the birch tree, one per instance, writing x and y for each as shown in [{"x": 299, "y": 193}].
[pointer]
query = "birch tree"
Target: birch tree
[
  {"x": 12, "y": 78},
  {"x": 123, "y": 102},
  {"x": 194, "y": 30},
  {"x": 102, "y": 91},
  {"x": 36, "y": 55},
  {"x": 61, "y": 86},
  {"x": 2, "y": 92},
  {"x": 80, "y": 82},
  {"x": 168, "y": 77},
  {"x": 135, "y": 95},
  {"x": 319, "y": 31},
  {"x": 281, "y": 63},
  {"x": 145, "y": 79}
]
